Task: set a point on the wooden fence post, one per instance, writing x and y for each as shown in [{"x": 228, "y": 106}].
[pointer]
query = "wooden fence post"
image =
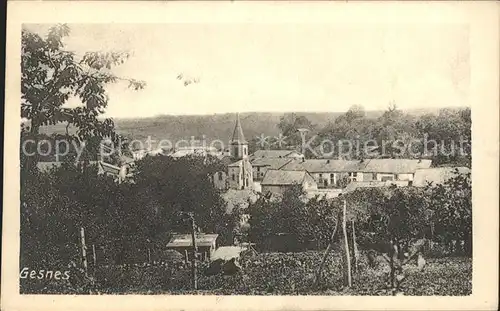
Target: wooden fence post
[
  {"x": 84, "y": 251},
  {"x": 327, "y": 251},
  {"x": 94, "y": 256},
  {"x": 195, "y": 251},
  {"x": 346, "y": 242},
  {"x": 355, "y": 248}
]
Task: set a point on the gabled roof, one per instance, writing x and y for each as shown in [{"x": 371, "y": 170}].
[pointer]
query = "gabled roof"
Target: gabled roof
[
  {"x": 227, "y": 252},
  {"x": 272, "y": 163},
  {"x": 225, "y": 159},
  {"x": 280, "y": 177},
  {"x": 374, "y": 184},
  {"x": 126, "y": 160},
  {"x": 195, "y": 151},
  {"x": 237, "y": 163},
  {"x": 47, "y": 166},
  {"x": 247, "y": 165},
  {"x": 238, "y": 136},
  {"x": 396, "y": 166},
  {"x": 272, "y": 153},
  {"x": 185, "y": 240},
  {"x": 437, "y": 175},
  {"x": 109, "y": 168},
  {"x": 324, "y": 166}
]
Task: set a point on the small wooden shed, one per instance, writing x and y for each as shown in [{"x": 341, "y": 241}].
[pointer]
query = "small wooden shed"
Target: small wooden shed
[{"x": 205, "y": 243}]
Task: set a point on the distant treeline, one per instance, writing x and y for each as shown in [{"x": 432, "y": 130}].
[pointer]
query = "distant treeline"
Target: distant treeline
[{"x": 443, "y": 125}]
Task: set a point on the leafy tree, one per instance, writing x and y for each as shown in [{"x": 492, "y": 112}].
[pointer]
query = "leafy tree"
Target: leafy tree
[
  {"x": 262, "y": 213},
  {"x": 289, "y": 125},
  {"x": 451, "y": 208},
  {"x": 51, "y": 75},
  {"x": 302, "y": 222},
  {"x": 393, "y": 221},
  {"x": 174, "y": 187}
]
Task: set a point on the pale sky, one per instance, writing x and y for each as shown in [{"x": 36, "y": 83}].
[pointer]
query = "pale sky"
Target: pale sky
[{"x": 281, "y": 67}]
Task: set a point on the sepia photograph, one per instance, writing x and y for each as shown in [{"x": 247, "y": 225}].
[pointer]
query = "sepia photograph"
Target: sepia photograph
[{"x": 248, "y": 159}]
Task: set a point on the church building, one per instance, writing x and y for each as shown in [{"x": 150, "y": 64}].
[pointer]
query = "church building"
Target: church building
[{"x": 239, "y": 174}]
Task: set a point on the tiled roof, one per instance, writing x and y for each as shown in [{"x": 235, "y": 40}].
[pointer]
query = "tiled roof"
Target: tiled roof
[
  {"x": 46, "y": 166},
  {"x": 185, "y": 240},
  {"x": 272, "y": 163},
  {"x": 271, "y": 153},
  {"x": 280, "y": 177},
  {"x": 374, "y": 184},
  {"x": 194, "y": 151},
  {"x": 227, "y": 252},
  {"x": 110, "y": 168},
  {"x": 437, "y": 175},
  {"x": 397, "y": 166},
  {"x": 246, "y": 163},
  {"x": 237, "y": 163},
  {"x": 324, "y": 165}
]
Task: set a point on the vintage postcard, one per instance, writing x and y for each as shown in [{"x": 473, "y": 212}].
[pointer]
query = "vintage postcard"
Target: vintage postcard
[{"x": 251, "y": 155}]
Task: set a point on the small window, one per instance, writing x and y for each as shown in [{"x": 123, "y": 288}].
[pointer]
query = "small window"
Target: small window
[
  {"x": 320, "y": 175},
  {"x": 258, "y": 169},
  {"x": 332, "y": 176},
  {"x": 354, "y": 174},
  {"x": 220, "y": 175},
  {"x": 387, "y": 178},
  {"x": 234, "y": 177}
]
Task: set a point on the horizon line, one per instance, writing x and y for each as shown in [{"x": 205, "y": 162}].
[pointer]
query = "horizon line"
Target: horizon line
[{"x": 277, "y": 112}]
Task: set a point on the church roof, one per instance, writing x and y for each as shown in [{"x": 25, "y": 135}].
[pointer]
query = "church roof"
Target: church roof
[
  {"x": 238, "y": 136},
  {"x": 281, "y": 178}
]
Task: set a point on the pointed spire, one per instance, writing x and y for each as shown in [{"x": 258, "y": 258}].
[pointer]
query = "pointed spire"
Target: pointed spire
[{"x": 238, "y": 136}]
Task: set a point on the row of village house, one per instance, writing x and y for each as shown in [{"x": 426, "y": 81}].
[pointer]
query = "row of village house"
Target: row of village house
[{"x": 275, "y": 170}]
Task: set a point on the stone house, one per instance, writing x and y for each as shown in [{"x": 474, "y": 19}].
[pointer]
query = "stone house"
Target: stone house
[{"x": 278, "y": 181}]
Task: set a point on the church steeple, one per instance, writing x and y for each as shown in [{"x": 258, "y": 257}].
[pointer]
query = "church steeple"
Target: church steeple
[
  {"x": 238, "y": 144},
  {"x": 238, "y": 136}
]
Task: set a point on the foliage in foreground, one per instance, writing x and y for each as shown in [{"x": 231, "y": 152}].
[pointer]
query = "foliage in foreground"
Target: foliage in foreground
[{"x": 271, "y": 274}]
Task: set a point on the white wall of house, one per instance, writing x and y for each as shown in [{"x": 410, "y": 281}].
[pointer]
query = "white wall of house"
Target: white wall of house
[
  {"x": 392, "y": 176},
  {"x": 408, "y": 177},
  {"x": 259, "y": 171},
  {"x": 220, "y": 180},
  {"x": 309, "y": 184},
  {"x": 274, "y": 189},
  {"x": 256, "y": 186},
  {"x": 235, "y": 177},
  {"x": 330, "y": 179},
  {"x": 386, "y": 176},
  {"x": 238, "y": 178},
  {"x": 325, "y": 179}
]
